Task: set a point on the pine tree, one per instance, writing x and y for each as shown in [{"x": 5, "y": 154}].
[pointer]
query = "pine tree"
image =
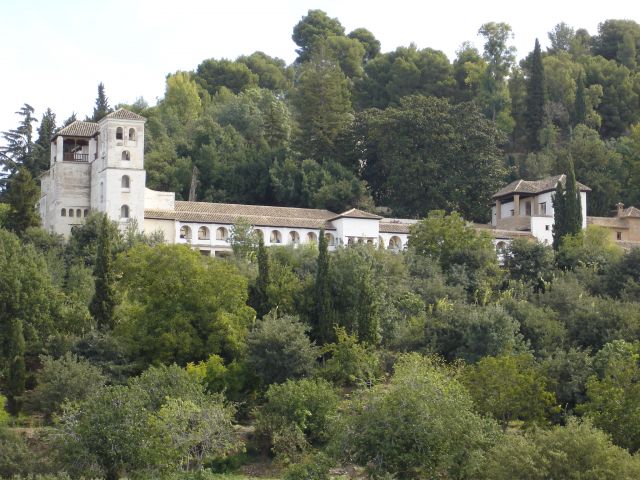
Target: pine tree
[
  {"x": 580, "y": 103},
  {"x": 323, "y": 317},
  {"x": 103, "y": 303},
  {"x": 22, "y": 195},
  {"x": 19, "y": 146},
  {"x": 43, "y": 143},
  {"x": 17, "y": 372},
  {"x": 260, "y": 299},
  {"x": 102, "y": 105},
  {"x": 535, "y": 99}
]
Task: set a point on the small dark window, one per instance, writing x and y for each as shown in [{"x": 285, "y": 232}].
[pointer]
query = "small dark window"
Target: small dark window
[
  {"x": 132, "y": 134},
  {"x": 125, "y": 181},
  {"x": 119, "y": 133},
  {"x": 86, "y": 212},
  {"x": 63, "y": 212},
  {"x": 124, "y": 211},
  {"x": 78, "y": 213},
  {"x": 546, "y": 227},
  {"x": 126, "y": 155},
  {"x": 619, "y": 235},
  {"x": 71, "y": 212}
]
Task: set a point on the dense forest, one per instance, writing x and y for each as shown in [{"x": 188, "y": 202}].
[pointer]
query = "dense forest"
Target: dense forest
[{"x": 124, "y": 357}]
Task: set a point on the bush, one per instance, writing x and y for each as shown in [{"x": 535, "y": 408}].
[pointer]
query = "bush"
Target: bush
[
  {"x": 311, "y": 468},
  {"x": 421, "y": 425},
  {"x": 279, "y": 349},
  {"x": 64, "y": 379},
  {"x": 351, "y": 363},
  {"x": 296, "y": 413}
]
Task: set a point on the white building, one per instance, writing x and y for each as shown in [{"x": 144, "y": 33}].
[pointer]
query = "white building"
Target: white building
[
  {"x": 100, "y": 167},
  {"x": 526, "y": 206}
]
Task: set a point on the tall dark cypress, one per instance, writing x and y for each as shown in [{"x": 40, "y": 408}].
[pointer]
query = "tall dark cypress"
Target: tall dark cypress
[
  {"x": 323, "y": 317},
  {"x": 559, "y": 214},
  {"x": 260, "y": 298},
  {"x": 580, "y": 103},
  {"x": 102, "y": 105},
  {"x": 573, "y": 205},
  {"x": 103, "y": 303},
  {"x": 534, "y": 116},
  {"x": 17, "y": 372},
  {"x": 43, "y": 143}
]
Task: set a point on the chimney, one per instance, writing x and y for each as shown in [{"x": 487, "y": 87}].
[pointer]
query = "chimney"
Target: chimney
[{"x": 620, "y": 207}]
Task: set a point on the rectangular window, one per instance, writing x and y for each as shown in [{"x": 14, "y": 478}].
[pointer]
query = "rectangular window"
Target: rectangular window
[
  {"x": 619, "y": 235},
  {"x": 543, "y": 208},
  {"x": 527, "y": 209},
  {"x": 513, "y": 213},
  {"x": 546, "y": 227}
]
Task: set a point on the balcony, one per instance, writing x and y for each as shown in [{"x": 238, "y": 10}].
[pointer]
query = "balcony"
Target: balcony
[{"x": 75, "y": 157}]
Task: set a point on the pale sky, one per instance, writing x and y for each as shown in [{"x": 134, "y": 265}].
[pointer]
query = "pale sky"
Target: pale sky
[{"x": 54, "y": 53}]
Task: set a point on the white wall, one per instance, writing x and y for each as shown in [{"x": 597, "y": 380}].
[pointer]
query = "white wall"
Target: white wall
[
  {"x": 356, "y": 227},
  {"x": 154, "y": 200}
]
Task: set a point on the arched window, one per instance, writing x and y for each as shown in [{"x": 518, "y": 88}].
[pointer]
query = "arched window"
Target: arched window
[
  {"x": 294, "y": 237},
  {"x": 330, "y": 239},
  {"x": 125, "y": 182},
  {"x": 86, "y": 212},
  {"x": 222, "y": 234},
  {"x": 124, "y": 211},
  {"x": 132, "y": 134},
  {"x": 276, "y": 236},
  {"x": 350, "y": 241},
  {"x": 185, "y": 232},
  {"x": 395, "y": 243},
  {"x": 203, "y": 233},
  {"x": 78, "y": 213},
  {"x": 119, "y": 133},
  {"x": 63, "y": 212},
  {"x": 312, "y": 237},
  {"x": 126, "y": 155}
]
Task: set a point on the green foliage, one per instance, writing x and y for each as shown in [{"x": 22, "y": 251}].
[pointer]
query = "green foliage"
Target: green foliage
[
  {"x": 67, "y": 378},
  {"x": 15, "y": 457},
  {"x": 314, "y": 467},
  {"x": 102, "y": 105},
  {"x": 279, "y": 349},
  {"x": 510, "y": 387},
  {"x": 258, "y": 297},
  {"x": 103, "y": 302},
  {"x": 535, "y": 99},
  {"x": 22, "y": 195},
  {"x": 19, "y": 149},
  {"x": 244, "y": 240},
  {"x": 350, "y": 363},
  {"x": 577, "y": 450},
  {"x": 302, "y": 407},
  {"x": 591, "y": 248},
  {"x": 322, "y": 316},
  {"x": 530, "y": 262},
  {"x": 421, "y": 425},
  {"x": 567, "y": 208},
  {"x": 179, "y": 306},
  {"x": 16, "y": 375},
  {"x": 314, "y": 26}
]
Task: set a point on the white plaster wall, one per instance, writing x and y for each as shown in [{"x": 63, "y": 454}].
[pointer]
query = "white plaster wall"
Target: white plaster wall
[
  {"x": 506, "y": 209},
  {"x": 583, "y": 202},
  {"x": 167, "y": 227},
  {"x": 154, "y": 200},
  {"x": 356, "y": 227},
  {"x": 542, "y": 229}
]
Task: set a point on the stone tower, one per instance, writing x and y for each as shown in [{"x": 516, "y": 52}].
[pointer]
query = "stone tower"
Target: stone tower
[{"x": 95, "y": 166}]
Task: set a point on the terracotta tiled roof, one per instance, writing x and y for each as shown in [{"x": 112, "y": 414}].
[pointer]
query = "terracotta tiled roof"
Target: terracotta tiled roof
[
  {"x": 394, "y": 227},
  {"x": 78, "y": 129},
  {"x": 615, "y": 222},
  {"x": 536, "y": 186},
  {"x": 123, "y": 114},
  {"x": 355, "y": 213},
  {"x": 258, "y": 215},
  {"x": 631, "y": 212}
]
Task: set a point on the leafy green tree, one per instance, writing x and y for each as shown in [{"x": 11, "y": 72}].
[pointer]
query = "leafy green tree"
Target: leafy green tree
[
  {"x": 17, "y": 373},
  {"x": 273, "y": 73},
  {"x": 104, "y": 302},
  {"x": 179, "y": 306},
  {"x": 102, "y": 108},
  {"x": 244, "y": 240},
  {"x": 510, "y": 387},
  {"x": 617, "y": 40},
  {"x": 560, "y": 38},
  {"x": 531, "y": 262},
  {"x": 370, "y": 43},
  {"x": 535, "y": 99},
  {"x": 279, "y": 349},
  {"x": 568, "y": 372},
  {"x": 19, "y": 148},
  {"x": 212, "y": 75},
  {"x": 322, "y": 315},
  {"x": 577, "y": 450},
  {"x": 314, "y": 26},
  {"x": 591, "y": 247},
  {"x": 22, "y": 195},
  {"x": 421, "y": 425},
  {"x": 322, "y": 105},
  {"x": 43, "y": 144},
  {"x": 67, "y": 378},
  {"x": 181, "y": 97},
  {"x": 350, "y": 363},
  {"x": 408, "y": 155}
]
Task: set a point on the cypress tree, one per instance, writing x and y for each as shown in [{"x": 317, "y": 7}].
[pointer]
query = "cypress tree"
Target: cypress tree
[
  {"x": 43, "y": 143},
  {"x": 580, "y": 103},
  {"x": 102, "y": 105},
  {"x": 22, "y": 195},
  {"x": 103, "y": 302},
  {"x": 17, "y": 371},
  {"x": 323, "y": 311},
  {"x": 559, "y": 214},
  {"x": 573, "y": 206},
  {"x": 534, "y": 115},
  {"x": 260, "y": 301}
]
